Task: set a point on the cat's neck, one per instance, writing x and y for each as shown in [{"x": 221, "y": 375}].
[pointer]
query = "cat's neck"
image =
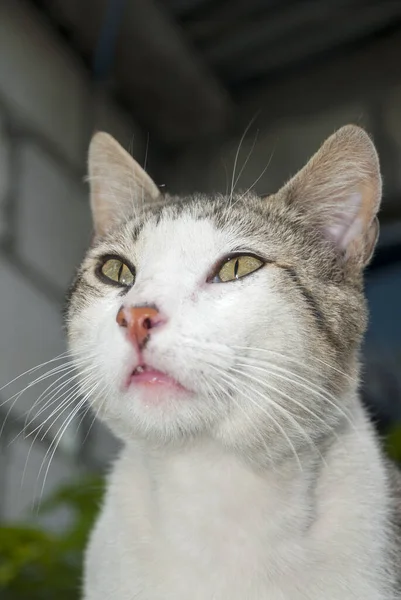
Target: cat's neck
[
  {"x": 205, "y": 463},
  {"x": 188, "y": 487},
  {"x": 293, "y": 456}
]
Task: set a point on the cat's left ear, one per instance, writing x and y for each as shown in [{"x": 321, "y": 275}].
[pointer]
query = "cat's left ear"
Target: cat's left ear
[
  {"x": 118, "y": 185},
  {"x": 339, "y": 191}
]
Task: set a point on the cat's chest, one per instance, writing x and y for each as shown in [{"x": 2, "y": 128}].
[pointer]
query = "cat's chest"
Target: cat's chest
[{"x": 209, "y": 524}]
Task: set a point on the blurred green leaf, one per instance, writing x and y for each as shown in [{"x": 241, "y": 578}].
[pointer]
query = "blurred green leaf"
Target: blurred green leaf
[
  {"x": 393, "y": 443},
  {"x": 39, "y": 565}
]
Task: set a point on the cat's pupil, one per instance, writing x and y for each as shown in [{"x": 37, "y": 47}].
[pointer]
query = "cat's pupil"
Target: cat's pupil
[
  {"x": 236, "y": 268},
  {"x": 120, "y": 270}
]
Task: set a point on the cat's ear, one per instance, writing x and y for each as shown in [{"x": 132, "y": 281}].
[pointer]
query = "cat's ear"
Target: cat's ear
[
  {"x": 118, "y": 185},
  {"x": 340, "y": 192}
]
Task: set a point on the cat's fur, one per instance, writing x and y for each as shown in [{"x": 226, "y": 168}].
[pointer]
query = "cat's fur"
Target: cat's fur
[{"x": 267, "y": 483}]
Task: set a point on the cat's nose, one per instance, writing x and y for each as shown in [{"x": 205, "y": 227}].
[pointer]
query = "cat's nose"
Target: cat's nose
[{"x": 139, "y": 321}]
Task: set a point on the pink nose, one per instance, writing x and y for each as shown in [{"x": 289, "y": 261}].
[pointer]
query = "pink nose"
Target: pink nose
[{"x": 139, "y": 320}]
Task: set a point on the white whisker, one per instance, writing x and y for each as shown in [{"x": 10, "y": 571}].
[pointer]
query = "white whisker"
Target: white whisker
[
  {"x": 53, "y": 446},
  {"x": 293, "y": 400},
  {"x": 237, "y": 155},
  {"x": 270, "y": 416}
]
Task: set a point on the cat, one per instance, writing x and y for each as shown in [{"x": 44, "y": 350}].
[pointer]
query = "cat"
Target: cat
[{"x": 219, "y": 337}]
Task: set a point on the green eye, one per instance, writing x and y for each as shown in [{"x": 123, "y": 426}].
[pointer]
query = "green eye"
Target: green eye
[
  {"x": 236, "y": 267},
  {"x": 118, "y": 272}
]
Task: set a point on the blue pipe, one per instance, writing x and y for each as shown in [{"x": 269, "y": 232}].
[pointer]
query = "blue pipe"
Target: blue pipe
[{"x": 105, "y": 49}]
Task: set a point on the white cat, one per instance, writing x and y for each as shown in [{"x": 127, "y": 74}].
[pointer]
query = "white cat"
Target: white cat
[{"x": 219, "y": 337}]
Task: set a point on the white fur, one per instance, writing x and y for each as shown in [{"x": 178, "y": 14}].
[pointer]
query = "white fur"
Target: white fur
[
  {"x": 197, "y": 523},
  {"x": 214, "y": 500}
]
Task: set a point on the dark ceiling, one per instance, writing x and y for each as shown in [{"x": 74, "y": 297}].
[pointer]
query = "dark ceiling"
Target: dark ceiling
[
  {"x": 184, "y": 66},
  {"x": 251, "y": 41}
]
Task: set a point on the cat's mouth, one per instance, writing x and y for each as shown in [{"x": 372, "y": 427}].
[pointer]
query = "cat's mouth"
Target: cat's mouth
[{"x": 147, "y": 376}]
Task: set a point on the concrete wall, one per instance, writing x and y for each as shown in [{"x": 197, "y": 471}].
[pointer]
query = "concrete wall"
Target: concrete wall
[{"x": 48, "y": 109}]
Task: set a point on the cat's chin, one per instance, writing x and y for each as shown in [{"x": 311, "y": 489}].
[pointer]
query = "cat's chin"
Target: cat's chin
[
  {"x": 155, "y": 388},
  {"x": 153, "y": 385},
  {"x": 154, "y": 414}
]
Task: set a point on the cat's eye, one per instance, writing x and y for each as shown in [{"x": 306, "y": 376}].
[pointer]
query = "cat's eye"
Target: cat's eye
[
  {"x": 117, "y": 272},
  {"x": 235, "y": 267}
]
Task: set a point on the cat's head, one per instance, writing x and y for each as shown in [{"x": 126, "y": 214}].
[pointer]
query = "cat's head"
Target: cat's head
[{"x": 238, "y": 318}]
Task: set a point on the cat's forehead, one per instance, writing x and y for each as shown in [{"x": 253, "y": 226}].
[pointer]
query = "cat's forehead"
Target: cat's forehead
[
  {"x": 197, "y": 225},
  {"x": 185, "y": 232},
  {"x": 187, "y": 235}
]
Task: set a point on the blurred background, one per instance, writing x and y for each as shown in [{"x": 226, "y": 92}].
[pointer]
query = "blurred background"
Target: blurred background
[{"x": 180, "y": 83}]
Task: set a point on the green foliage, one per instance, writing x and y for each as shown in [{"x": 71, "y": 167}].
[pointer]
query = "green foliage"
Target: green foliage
[
  {"x": 39, "y": 565},
  {"x": 393, "y": 443}
]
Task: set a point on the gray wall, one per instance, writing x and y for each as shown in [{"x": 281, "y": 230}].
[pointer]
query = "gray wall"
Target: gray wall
[{"x": 48, "y": 109}]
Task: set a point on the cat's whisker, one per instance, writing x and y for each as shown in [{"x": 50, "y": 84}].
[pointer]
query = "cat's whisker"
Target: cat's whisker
[
  {"x": 18, "y": 395},
  {"x": 57, "y": 438},
  {"x": 228, "y": 354},
  {"x": 261, "y": 363},
  {"x": 295, "y": 360},
  {"x": 301, "y": 385},
  {"x": 55, "y": 392},
  {"x": 62, "y": 356},
  {"x": 95, "y": 415},
  {"x": 289, "y": 378},
  {"x": 29, "y": 426},
  {"x": 269, "y": 388},
  {"x": 49, "y": 390},
  {"x": 286, "y": 357},
  {"x": 210, "y": 350},
  {"x": 286, "y": 413},
  {"x": 47, "y": 374},
  {"x": 72, "y": 392},
  {"x": 78, "y": 391},
  {"x": 51, "y": 452},
  {"x": 251, "y": 122},
  {"x": 247, "y": 159},
  {"x": 269, "y": 415},
  {"x": 248, "y": 418},
  {"x": 65, "y": 369},
  {"x": 209, "y": 387},
  {"x": 230, "y": 359},
  {"x": 144, "y": 168},
  {"x": 277, "y": 406},
  {"x": 93, "y": 421},
  {"x": 38, "y": 431},
  {"x": 256, "y": 180},
  {"x": 39, "y": 379},
  {"x": 69, "y": 401}
]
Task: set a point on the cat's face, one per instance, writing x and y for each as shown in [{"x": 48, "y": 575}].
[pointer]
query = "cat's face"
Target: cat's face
[{"x": 237, "y": 318}]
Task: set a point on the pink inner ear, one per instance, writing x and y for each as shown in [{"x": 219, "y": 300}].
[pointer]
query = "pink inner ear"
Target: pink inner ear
[{"x": 346, "y": 223}]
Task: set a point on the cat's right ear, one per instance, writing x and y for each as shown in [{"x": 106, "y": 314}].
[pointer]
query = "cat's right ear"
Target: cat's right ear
[
  {"x": 339, "y": 193},
  {"x": 118, "y": 185}
]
